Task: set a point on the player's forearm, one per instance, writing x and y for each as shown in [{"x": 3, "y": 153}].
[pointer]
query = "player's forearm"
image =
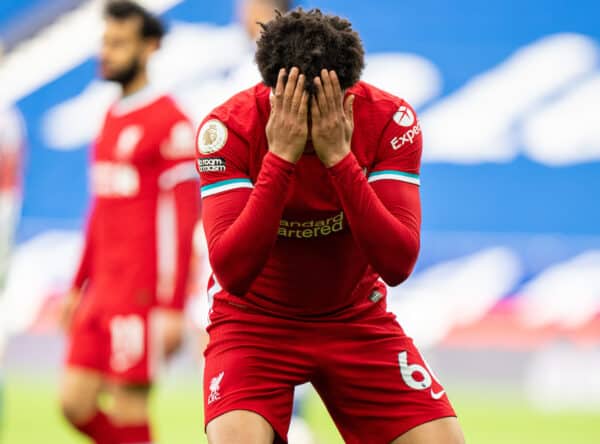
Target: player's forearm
[
  {"x": 238, "y": 252},
  {"x": 187, "y": 206},
  {"x": 10, "y": 170},
  {"x": 389, "y": 240},
  {"x": 83, "y": 271},
  {"x": 85, "y": 263}
]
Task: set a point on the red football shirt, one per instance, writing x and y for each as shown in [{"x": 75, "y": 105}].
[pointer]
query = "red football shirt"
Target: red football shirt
[
  {"x": 145, "y": 205},
  {"x": 303, "y": 240}
]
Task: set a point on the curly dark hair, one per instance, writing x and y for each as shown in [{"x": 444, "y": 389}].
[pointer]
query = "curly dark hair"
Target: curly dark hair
[{"x": 311, "y": 41}]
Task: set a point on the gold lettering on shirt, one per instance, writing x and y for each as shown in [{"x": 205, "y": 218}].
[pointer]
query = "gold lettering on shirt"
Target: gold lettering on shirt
[{"x": 311, "y": 228}]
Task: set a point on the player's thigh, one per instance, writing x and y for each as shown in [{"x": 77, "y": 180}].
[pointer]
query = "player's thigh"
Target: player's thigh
[
  {"x": 86, "y": 360},
  {"x": 374, "y": 379},
  {"x": 130, "y": 403},
  {"x": 79, "y": 393},
  {"x": 240, "y": 427},
  {"x": 439, "y": 431},
  {"x": 247, "y": 383},
  {"x": 247, "y": 370}
]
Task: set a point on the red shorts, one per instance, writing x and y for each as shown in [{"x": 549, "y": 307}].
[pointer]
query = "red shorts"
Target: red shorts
[
  {"x": 121, "y": 344},
  {"x": 370, "y": 375}
]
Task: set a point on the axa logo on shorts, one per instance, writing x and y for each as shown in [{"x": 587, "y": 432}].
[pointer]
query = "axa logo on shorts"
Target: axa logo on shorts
[
  {"x": 127, "y": 341},
  {"x": 407, "y": 137},
  {"x": 215, "y": 386}
]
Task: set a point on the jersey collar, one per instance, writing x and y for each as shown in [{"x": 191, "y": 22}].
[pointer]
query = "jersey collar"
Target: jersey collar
[{"x": 135, "y": 101}]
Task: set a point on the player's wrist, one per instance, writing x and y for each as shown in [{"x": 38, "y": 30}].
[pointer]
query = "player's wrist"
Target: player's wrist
[
  {"x": 346, "y": 164},
  {"x": 74, "y": 294},
  {"x": 333, "y": 159},
  {"x": 285, "y": 155}
]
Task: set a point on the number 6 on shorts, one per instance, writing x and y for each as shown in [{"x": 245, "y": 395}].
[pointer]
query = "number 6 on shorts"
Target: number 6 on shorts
[{"x": 408, "y": 370}]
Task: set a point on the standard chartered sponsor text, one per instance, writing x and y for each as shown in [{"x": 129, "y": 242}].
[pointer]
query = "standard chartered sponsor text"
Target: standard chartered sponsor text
[{"x": 311, "y": 228}]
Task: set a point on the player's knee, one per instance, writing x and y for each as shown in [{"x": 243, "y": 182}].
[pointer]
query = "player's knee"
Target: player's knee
[
  {"x": 130, "y": 404},
  {"x": 79, "y": 394},
  {"x": 173, "y": 330},
  {"x": 77, "y": 410},
  {"x": 239, "y": 426},
  {"x": 459, "y": 437},
  {"x": 172, "y": 343}
]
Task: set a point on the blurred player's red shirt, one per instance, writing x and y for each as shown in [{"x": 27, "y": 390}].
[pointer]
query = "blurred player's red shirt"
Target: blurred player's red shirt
[
  {"x": 145, "y": 206},
  {"x": 309, "y": 250},
  {"x": 11, "y": 150}
]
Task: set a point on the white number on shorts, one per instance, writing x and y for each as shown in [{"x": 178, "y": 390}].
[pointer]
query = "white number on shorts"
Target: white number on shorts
[
  {"x": 127, "y": 341},
  {"x": 409, "y": 370}
]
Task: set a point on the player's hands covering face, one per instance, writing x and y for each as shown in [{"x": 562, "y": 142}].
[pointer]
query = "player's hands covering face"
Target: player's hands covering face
[
  {"x": 332, "y": 119},
  {"x": 287, "y": 127}
]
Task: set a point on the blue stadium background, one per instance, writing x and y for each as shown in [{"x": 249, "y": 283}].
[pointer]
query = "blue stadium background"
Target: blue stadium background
[
  {"x": 467, "y": 206},
  {"x": 526, "y": 197}
]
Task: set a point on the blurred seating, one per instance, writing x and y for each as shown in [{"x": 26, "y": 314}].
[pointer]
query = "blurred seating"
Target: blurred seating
[{"x": 21, "y": 19}]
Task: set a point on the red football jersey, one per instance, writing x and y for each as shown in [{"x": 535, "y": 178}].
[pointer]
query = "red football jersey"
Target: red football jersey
[
  {"x": 145, "y": 205},
  {"x": 305, "y": 240}
]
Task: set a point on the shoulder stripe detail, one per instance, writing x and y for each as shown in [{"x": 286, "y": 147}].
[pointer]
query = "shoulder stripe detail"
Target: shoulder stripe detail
[
  {"x": 225, "y": 185},
  {"x": 394, "y": 175}
]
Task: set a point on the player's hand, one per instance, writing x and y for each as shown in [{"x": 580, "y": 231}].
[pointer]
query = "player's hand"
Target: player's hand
[
  {"x": 332, "y": 119},
  {"x": 67, "y": 311},
  {"x": 287, "y": 128}
]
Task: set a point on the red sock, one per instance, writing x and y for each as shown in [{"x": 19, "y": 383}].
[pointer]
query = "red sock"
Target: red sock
[
  {"x": 134, "y": 434},
  {"x": 100, "y": 429}
]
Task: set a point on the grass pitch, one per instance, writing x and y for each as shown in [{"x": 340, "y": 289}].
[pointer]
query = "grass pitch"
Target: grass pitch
[{"x": 31, "y": 416}]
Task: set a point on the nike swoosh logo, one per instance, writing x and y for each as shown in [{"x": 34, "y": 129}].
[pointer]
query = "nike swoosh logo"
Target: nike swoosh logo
[{"x": 437, "y": 395}]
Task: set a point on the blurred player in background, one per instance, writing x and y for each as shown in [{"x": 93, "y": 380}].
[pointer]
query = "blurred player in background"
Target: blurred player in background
[
  {"x": 11, "y": 152},
  {"x": 11, "y": 155},
  {"x": 125, "y": 309},
  {"x": 311, "y": 197},
  {"x": 253, "y": 12}
]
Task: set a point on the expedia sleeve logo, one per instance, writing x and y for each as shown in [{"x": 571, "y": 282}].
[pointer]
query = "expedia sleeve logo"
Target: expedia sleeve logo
[
  {"x": 405, "y": 118},
  {"x": 311, "y": 228},
  {"x": 407, "y": 138}
]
